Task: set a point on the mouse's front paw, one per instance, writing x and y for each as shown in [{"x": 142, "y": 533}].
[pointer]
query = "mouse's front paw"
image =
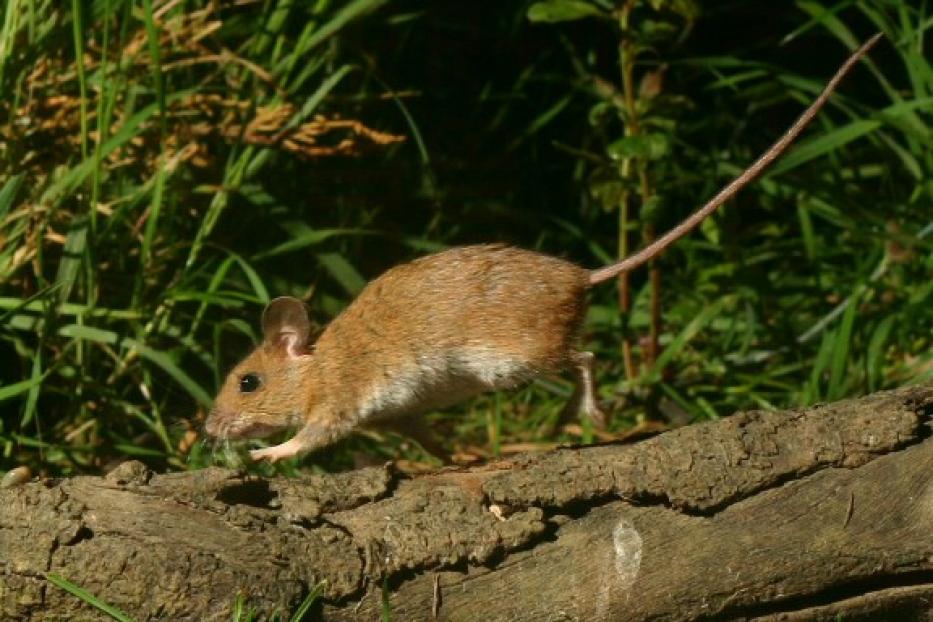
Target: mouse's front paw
[
  {"x": 272, "y": 454},
  {"x": 308, "y": 438},
  {"x": 288, "y": 449}
]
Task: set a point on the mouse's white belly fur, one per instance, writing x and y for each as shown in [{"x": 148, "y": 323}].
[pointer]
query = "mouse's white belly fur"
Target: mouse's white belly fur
[{"x": 437, "y": 380}]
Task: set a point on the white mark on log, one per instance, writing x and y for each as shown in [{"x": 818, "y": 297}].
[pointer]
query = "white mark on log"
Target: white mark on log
[
  {"x": 628, "y": 545},
  {"x": 624, "y": 561}
]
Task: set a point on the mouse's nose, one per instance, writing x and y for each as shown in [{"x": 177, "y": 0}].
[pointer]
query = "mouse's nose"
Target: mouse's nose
[{"x": 217, "y": 420}]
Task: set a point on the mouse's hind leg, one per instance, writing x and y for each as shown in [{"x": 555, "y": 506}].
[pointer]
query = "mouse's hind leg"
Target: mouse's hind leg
[{"x": 584, "y": 402}]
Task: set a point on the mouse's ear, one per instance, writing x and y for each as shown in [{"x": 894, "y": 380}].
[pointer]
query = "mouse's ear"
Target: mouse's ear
[{"x": 285, "y": 326}]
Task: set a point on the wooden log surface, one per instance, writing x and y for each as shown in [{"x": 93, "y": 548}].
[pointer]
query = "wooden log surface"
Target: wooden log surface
[{"x": 817, "y": 514}]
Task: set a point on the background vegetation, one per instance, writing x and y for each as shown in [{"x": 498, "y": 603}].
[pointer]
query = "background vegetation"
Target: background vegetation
[{"x": 167, "y": 166}]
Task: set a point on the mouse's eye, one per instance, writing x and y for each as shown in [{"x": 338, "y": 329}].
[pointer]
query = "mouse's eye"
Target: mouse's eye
[{"x": 249, "y": 383}]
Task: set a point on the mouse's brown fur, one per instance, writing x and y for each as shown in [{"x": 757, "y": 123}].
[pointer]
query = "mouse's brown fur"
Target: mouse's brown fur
[
  {"x": 432, "y": 332},
  {"x": 422, "y": 336}
]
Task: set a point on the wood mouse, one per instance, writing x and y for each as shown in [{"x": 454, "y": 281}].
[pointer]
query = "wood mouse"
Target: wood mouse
[{"x": 430, "y": 333}]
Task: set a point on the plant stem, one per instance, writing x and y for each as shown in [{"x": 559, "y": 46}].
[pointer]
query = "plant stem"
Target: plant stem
[
  {"x": 625, "y": 294},
  {"x": 632, "y": 166}
]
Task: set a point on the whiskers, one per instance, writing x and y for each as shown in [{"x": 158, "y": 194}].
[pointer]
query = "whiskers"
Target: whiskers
[
  {"x": 223, "y": 452},
  {"x": 213, "y": 449},
  {"x": 220, "y": 451}
]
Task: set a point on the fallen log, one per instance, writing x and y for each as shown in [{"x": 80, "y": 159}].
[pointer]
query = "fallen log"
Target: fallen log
[{"x": 817, "y": 514}]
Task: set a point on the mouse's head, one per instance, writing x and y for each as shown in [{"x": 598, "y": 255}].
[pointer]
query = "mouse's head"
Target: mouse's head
[{"x": 268, "y": 390}]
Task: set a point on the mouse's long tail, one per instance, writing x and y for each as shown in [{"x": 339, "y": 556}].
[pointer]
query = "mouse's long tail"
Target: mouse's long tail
[{"x": 655, "y": 248}]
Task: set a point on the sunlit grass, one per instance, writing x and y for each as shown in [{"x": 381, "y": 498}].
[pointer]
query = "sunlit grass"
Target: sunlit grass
[
  {"x": 151, "y": 202},
  {"x": 242, "y": 611}
]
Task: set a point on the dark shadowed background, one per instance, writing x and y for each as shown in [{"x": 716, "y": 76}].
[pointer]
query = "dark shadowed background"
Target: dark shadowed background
[{"x": 234, "y": 152}]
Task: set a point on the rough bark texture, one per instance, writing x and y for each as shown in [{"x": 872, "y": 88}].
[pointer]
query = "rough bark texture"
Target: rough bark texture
[{"x": 801, "y": 515}]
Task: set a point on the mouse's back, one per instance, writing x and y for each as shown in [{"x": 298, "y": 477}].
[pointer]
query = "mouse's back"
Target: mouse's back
[{"x": 428, "y": 333}]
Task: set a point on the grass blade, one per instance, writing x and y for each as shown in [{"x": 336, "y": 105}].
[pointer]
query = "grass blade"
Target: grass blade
[
  {"x": 17, "y": 388},
  {"x": 842, "y": 343},
  {"x": 689, "y": 332},
  {"x": 343, "y": 272},
  {"x": 87, "y": 597},
  {"x": 8, "y": 193},
  {"x": 155, "y": 207},
  {"x": 160, "y": 359},
  {"x": 317, "y": 97},
  {"x": 874, "y": 356},
  {"x": 36, "y": 377},
  {"x": 72, "y": 258},
  {"x": 69, "y": 182},
  {"x": 821, "y": 145},
  {"x": 309, "y": 600},
  {"x": 831, "y": 22},
  {"x": 352, "y": 11},
  {"x": 814, "y": 390},
  {"x": 386, "y": 609},
  {"x": 78, "y": 33},
  {"x": 310, "y": 237}
]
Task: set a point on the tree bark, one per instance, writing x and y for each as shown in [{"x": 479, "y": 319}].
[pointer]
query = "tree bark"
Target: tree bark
[{"x": 817, "y": 514}]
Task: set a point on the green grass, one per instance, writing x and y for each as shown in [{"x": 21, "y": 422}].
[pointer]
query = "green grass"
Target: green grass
[
  {"x": 87, "y": 597},
  {"x": 146, "y": 215},
  {"x": 241, "y": 610},
  {"x": 385, "y": 608},
  {"x": 150, "y": 207}
]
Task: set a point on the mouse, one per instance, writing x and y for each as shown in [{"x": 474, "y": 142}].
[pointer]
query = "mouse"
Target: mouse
[{"x": 430, "y": 333}]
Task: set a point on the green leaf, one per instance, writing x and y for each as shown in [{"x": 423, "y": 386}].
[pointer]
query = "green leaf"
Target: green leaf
[
  {"x": 690, "y": 331},
  {"x": 36, "y": 377},
  {"x": 599, "y": 112},
  {"x": 130, "y": 129},
  {"x": 821, "y": 361},
  {"x": 309, "y": 600},
  {"x": 874, "y": 359},
  {"x": 841, "y": 346},
  {"x": 548, "y": 115},
  {"x": 646, "y": 146},
  {"x": 346, "y": 275},
  {"x": 822, "y": 145},
  {"x": 304, "y": 239},
  {"x": 652, "y": 209},
  {"x": 806, "y": 230},
  {"x": 12, "y": 390},
  {"x": 310, "y": 105},
  {"x": 658, "y": 31},
  {"x": 136, "y": 450},
  {"x": 349, "y": 13},
  {"x": 386, "y": 608},
  {"x": 687, "y": 9},
  {"x": 553, "y": 11},
  {"x": 8, "y": 193},
  {"x": 72, "y": 256},
  {"x": 711, "y": 231},
  {"x": 87, "y": 597},
  {"x": 239, "y": 609},
  {"x": 254, "y": 279},
  {"x": 160, "y": 359}
]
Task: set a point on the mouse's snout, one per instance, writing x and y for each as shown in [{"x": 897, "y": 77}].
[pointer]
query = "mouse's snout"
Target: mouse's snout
[
  {"x": 218, "y": 423},
  {"x": 232, "y": 425}
]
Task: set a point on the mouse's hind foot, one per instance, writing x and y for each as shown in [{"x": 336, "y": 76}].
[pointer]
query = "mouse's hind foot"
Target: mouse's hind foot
[{"x": 584, "y": 402}]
